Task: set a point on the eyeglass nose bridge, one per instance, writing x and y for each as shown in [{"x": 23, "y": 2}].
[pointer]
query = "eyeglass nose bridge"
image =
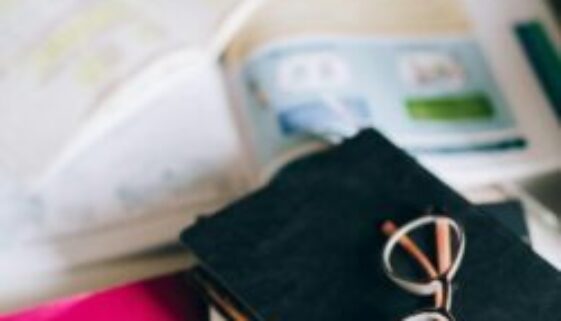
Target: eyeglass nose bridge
[{"x": 445, "y": 286}]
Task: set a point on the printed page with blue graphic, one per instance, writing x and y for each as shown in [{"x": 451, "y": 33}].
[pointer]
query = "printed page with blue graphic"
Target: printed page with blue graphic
[{"x": 455, "y": 83}]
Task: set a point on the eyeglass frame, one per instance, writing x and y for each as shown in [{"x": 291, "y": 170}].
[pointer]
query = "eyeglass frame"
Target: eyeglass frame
[{"x": 443, "y": 281}]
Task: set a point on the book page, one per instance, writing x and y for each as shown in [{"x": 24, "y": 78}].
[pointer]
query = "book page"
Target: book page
[
  {"x": 61, "y": 60},
  {"x": 134, "y": 189},
  {"x": 419, "y": 72}
]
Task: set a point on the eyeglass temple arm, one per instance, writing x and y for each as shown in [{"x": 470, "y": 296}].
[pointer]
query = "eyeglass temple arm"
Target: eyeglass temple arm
[
  {"x": 443, "y": 248},
  {"x": 389, "y": 227}
]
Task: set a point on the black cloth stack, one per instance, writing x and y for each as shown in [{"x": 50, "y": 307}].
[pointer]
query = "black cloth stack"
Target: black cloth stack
[{"x": 307, "y": 247}]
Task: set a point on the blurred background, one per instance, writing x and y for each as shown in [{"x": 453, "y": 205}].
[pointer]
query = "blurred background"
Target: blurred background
[{"x": 123, "y": 121}]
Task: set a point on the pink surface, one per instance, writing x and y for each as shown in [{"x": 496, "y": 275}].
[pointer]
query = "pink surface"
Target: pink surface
[{"x": 161, "y": 299}]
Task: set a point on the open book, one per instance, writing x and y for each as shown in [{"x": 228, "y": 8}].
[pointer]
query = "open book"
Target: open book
[
  {"x": 450, "y": 81},
  {"x": 458, "y": 84},
  {"x": 73, "y": 61}
]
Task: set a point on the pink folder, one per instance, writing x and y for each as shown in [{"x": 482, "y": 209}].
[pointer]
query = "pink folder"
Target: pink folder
[{"x": 161, "y": 299}]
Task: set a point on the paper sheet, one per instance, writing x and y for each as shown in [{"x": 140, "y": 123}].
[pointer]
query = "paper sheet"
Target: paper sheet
[
  {"x": 60, "y": 60},
  {"x": 434, "y": 77},
  {"x": 135, "y": 188}
]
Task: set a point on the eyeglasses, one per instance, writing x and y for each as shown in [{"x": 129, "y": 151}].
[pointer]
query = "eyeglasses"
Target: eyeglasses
[{"x": 437, "y": 280}]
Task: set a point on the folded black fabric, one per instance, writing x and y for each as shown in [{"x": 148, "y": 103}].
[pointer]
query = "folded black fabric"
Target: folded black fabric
[
  {"x": 307, "y": 247},
  {"x": 511, "y": 214}
]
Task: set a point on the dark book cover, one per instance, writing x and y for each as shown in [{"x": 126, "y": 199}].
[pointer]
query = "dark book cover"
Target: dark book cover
[
  {"x": 511, "y": 214},
  {"x": 308, "y": 246}
]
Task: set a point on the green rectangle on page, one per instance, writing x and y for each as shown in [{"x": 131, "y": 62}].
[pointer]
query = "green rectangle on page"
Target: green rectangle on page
[{"x": 451, "y": 108}]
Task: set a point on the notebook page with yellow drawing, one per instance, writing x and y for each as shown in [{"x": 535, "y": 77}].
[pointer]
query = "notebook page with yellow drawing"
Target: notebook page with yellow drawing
[{"x": 63, "y": 61}]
